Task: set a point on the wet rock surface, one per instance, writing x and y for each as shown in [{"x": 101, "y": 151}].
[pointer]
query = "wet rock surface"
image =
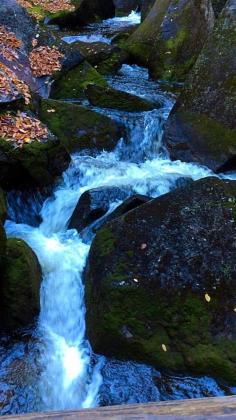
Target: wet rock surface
[
  {"x": 166, "y": 42},
  {"x": 79, "y": 128},
  {"x": 160, "y": 281},
  {"x": 202, "y": 126}
]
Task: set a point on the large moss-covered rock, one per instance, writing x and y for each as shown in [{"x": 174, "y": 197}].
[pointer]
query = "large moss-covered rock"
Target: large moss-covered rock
[
  {"x": 79, "y": 128},
  {"x": 72, "y": 85},
  {"x": 35, "y": 164},
  {"x": 19, "y": 285},
  {"x": 117, "y": 99},
  {"x": 167, "y": 42},
  {"x": 160, "y": 282},
  {"x": 202, "y": 125}
]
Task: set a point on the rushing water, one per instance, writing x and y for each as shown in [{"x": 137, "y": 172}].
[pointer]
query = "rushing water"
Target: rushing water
[
  {"x": 54, "y": 368},
  {"x": 104, "y": 31}
]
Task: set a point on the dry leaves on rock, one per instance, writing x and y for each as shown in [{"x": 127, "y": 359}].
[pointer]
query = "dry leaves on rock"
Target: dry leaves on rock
[
  {"x": 51, "y": 6},
  {"x": 44, "y": 61},
  {"x": 21, "y": 129},
  {"x": 7, "y": 77},
  {"x": 8, "y": 44}
]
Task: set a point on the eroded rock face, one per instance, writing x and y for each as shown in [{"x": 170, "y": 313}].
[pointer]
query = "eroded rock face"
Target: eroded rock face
[
  {"x": 167, "y": 42},
  {"x": 202, "y": 125},
  {"x": 161, "y": 282}
]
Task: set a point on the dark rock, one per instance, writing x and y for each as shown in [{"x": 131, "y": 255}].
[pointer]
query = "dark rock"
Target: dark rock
[
  {"x": 129, "y": 204},
  {"x": 94, "y": 204},
  {"x": 86, "y": 11},
  {"x": 36, "y": 164},
  {"x": 72, "y": 84},
  {"x": 105, "y": 57},
  {"x": 19, "y": 285},
  {"x": 106, "y": 97},
  {"x": 167, "y": 42},
  {"x": 17, "y": 20},
  {"x": 202, "y": 125},
  {"x": 79, "y": 128},
  {"x": 166, "y": 270}
]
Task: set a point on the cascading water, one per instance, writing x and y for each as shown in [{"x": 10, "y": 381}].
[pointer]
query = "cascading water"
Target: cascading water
[{"x": 70, "y": 376}]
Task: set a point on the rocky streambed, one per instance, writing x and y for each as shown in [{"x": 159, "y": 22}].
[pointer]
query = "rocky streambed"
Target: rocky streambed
[{"x": 117, "y": 259}]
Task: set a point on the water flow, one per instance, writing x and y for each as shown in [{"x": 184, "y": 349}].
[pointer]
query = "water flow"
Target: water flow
[
  {"x": 104, "y": 31},
  {"x": 70, "y": 378}
]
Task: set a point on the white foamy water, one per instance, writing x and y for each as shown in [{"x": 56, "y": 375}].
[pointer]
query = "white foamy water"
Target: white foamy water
[{"x": 104, "y": 31}]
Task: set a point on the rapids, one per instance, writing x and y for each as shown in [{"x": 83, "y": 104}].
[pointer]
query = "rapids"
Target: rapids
[{"x": 53, "y": 366}]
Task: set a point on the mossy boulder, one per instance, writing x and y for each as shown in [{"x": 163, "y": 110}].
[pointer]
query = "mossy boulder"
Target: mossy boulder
[
  {"x": 167, "y": 42},
  {"x": 116, "y": 99},
  {"x": 35, "y": 164},
  {"x": 86, "y": 11},
  {"x": 79, "y": 128},
  {"x": 105, "y": 58},
  {"x": 160, "y": 282},
  {"x": 202, "y": 126},
  {"x": 19, "y": 285},
  {"x": 72, "y": 85}
]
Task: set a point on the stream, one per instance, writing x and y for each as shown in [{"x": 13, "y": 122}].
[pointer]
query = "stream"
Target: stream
[{"x": 52, "y": 366}]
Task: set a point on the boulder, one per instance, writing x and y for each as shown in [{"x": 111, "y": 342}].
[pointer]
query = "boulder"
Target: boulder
[
  {"x": 94, "y": 204},
  {"x": 79, "y": 128},
  {"x": 85, "y": 11},
  {"x": 15, "y": 18},
  {"x": 116, "y": 99},
  {"x": 202, "y": 125},
  {"x": 167, "y": 42},
  {"x": 161, "y": 282},
  {"x": 105, "y": 58},
  {"x": 19, "y": 285},
  {"x": 72, "y": 85},
  {"x": 34, "y": 164},
  {"x": 129, "y": 204}
]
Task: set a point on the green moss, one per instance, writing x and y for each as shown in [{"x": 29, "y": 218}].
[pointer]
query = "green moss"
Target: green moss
[
  {"x": 74, "y": 83},
  {"x": 105, "y": 241},
  {"x": 20, "y": 285},
  {"x": 182, "y": 323},
  {"x": 212, "y": 135},
  {"x": 79, "y": 128}
]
